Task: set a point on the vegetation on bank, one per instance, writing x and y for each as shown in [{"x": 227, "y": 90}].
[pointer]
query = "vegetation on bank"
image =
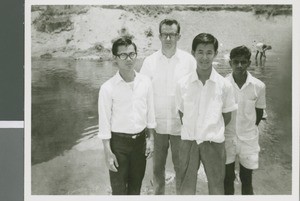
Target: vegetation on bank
[{"x": 57, "y": 19}]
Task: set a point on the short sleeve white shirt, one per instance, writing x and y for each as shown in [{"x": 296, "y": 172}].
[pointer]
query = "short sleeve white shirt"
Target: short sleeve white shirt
[
  {"x": 252, "y": 95},
  {"x": 125, "y": 108},
  {"x": 164, "y": 73},
  {"x": 203, "y": 105}
]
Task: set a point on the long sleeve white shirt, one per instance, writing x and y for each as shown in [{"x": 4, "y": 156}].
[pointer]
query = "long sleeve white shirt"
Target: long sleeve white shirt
[
  {"x": 123, "y": 108},
  {"x": 164, "y": 73}
]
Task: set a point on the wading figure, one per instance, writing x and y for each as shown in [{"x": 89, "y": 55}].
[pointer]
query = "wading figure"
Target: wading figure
[{"x": 261, "y": 49}]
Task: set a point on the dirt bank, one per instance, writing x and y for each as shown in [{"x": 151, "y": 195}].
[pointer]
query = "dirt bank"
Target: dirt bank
[{"x": 86, "y": 32}]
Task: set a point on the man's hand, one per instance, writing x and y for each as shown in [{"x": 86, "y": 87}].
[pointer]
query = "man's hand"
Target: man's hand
[
  {"x": 110, "y": 158},
  {"x": 111, "y": 161},
  {"x": 150, "y": 143},
  {"x": 149, "y": 147}
]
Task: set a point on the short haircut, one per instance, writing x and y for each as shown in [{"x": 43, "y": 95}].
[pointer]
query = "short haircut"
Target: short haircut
[
  {"x": 205, "y": 38},
  {"x": 124, "y": 41},
  {"x": 169, "y": 22},
  {"x": 240, "y": 51}
]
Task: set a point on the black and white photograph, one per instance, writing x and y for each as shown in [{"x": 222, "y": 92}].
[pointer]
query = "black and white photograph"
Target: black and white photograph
[{"x": 160, "y": 99}]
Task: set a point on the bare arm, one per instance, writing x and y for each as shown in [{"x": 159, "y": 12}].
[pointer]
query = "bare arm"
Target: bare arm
[
  {"x": 259, "y": 115},
  {"x": 226, "y": 117}
]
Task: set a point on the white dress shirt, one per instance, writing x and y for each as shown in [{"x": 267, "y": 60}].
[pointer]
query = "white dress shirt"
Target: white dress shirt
[
  {"x": 203, "y": 105},
  {"x": 252, "y": 95},
  {"x": 165, "y": 73},
  {"x": 123, "y": 108}
]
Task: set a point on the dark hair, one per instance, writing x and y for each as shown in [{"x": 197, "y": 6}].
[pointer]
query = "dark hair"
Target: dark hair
[
  {"x": 240, "y": 51},
  {"x": 169, "y": 22},
  {"x": 124, "y": 41},
  {"x": 205, "y": 38}
]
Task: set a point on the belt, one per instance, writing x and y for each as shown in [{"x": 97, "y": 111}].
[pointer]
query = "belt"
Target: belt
[{"x": 129, "y": 135}]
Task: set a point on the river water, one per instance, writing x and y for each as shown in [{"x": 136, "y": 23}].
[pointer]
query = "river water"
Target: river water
[{"x": 65, "y": 95}]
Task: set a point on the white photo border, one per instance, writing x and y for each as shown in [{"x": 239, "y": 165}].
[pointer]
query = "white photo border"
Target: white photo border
[{"x": 295, "y": 104}]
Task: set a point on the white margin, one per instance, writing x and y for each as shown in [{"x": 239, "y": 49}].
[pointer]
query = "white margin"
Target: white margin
[
  {"x": 11, "y": 124},
  {"x": 295, "y": 98},
  {"x": 27, "y": 104}
]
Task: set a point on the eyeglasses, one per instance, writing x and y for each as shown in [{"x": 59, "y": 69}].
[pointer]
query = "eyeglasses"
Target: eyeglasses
[
  {"x": 124, "y": 56},
  {"x": 237, "y": 62},
  {"x": 170, "y": 35}
]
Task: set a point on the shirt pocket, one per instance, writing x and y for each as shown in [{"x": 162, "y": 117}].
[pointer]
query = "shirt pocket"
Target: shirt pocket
[
  {"x": 140, "y": 98},
  {"x": 189, "y": 107},
  {"x": 189, "y": 116},
  {"x": 249, "y": 110},
  {"x": 214, "y": 111}
]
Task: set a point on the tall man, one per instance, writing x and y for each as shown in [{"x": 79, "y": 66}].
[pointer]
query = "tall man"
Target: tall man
[
  {"x": 126, "y": 109},
  {"x": 165, "y": 67}
]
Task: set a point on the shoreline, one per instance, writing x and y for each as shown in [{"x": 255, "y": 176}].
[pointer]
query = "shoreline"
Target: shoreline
[{"x": 62, "y": 32}]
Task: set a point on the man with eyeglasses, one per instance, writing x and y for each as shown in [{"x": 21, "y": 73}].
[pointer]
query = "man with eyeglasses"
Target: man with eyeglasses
[
  {"x": 241, "y": 134},
  {"x": 126, "y": 121},
  {"x": 165, "y": 67}
]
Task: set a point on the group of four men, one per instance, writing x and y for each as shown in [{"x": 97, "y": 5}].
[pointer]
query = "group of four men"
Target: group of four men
[{"x": 179, "y": 100}]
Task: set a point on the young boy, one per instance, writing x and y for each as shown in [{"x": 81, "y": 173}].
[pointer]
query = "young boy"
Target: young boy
[
  {"x": 126, "y": 111},
  {"x": 241, "y": 134},
  {"x": 205, "y": 101}
]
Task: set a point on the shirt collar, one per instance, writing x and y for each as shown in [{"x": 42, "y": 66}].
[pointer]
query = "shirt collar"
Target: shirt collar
[
  {"x": 213, "y": 76},
  {"x": 119, "y": 79},
  {"x": 161, "y": 55},
  {"x": 248, "y": 80}
]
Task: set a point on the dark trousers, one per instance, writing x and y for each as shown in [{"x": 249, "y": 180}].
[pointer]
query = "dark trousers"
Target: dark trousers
[
  {"x": 130, "y": 154},
  {"x": 245, "y": 176},
  {"x": 212, "y": 156}
]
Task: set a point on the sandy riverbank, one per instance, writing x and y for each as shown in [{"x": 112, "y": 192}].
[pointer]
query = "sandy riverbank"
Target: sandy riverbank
[
  {"x": 82, "y": 171},
  {"x": 87, "y": 32}
]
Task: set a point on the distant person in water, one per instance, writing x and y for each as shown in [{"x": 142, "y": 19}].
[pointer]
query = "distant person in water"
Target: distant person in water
[
  {"x": 261, "y": 49},
  {"x": 241, "y": 134},
  {"x": 126, "y": 121}
]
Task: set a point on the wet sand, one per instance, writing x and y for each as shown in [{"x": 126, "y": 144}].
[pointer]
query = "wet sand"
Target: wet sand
[{"x": 82, "y": 171}]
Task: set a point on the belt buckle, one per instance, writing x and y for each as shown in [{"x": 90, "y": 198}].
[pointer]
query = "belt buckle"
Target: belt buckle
[{"x": 134, "y": 137}]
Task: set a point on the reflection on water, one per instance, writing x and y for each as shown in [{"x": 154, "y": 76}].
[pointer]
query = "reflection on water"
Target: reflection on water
[
  {"x": 64, "y": 103},
  {"x": 65, "y": 95}
]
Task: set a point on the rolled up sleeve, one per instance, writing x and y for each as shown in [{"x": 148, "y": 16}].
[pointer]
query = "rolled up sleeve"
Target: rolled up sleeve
[
  {"x": 151, "y": 123},
  {"x": 229, "y": 102},
  {"x": 104, "y": 112},
  {"x": 261, "y": 98}
]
